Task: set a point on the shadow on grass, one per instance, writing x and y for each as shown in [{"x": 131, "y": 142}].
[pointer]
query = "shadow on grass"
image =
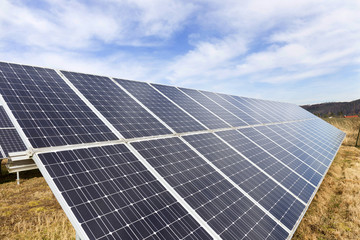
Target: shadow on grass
[{"x": 11, "y": 177}]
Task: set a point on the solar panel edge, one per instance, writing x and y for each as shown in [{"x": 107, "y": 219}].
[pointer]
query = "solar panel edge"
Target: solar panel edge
[
  {"x": 314, "y": 193},
  {"x": 2, "y": 153},
  {"x": 235, "y": 185}
]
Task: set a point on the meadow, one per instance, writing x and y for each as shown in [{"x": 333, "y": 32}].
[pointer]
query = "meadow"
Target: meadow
[{"x": 30, "y": 210}]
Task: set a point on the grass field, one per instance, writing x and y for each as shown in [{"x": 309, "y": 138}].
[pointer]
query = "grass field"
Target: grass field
[{"x": 30, "y": 211}]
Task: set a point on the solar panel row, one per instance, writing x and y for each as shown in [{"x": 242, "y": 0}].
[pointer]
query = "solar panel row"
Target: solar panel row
[{"x": 224, "y": 174}]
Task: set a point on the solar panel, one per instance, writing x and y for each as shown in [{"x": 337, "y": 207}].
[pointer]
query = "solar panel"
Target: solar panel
[
  {"x": 109, "y": 194},
  {"x": 214, "y": 107},
  {"x": 231, "y": 108},
  {"x": 132, "y": 160},
  {"x": 5, "y": 121},
  {"x": 10, "y": 140},
  {"x": 173, "y": 116},
  {"x": 245, "y": 108},
  {"x": 274, "y": 168},
  {"x": 192, "y": 107},
  {"x": 124, "y": 113},
  {"x": 46, "y": 108},
  {"x": 231, "y": 214}
]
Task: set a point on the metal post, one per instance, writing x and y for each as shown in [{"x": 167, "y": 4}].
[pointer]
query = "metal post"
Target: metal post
[
  {"x": 356, "y": 144},
  {"x": 18, "y": 178},
  {"x": 77, "y": 237}
]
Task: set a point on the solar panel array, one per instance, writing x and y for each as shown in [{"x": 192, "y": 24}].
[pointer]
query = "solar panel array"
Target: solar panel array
[
  {"x": 133, "y": 160},
  {"x": 10, "y": 140}
]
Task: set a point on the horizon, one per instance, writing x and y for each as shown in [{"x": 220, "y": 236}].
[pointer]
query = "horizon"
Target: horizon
[{"x": 301, "y": 52}]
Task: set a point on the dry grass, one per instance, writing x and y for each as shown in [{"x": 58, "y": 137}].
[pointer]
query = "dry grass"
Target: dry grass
[
  {"x": 348, "y": 125},
  {"x": 335, "y": 210},
  {"x": 30, "y": 211}
]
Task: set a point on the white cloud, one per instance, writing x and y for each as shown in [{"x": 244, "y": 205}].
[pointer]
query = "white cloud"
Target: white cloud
[{"x": 230, "y": 46}]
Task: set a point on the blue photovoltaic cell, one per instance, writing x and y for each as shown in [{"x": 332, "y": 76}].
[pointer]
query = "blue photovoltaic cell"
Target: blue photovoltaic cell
[
  {"x": 271, "y": 166},
  {"x": 10, "y": 141},
  {"x": 214, "y": 107},
  {"x": 301, "y": 163},
  {"x": 300, "y": 149},
  {"x": 124, "y": 113},
  {"x": 5, "y": 121},
  {"x": 300, "y": 188},
  {"x": 46, "y": 108},
  {"x": 323, "y": 139},
  {"x": 258, "y": 105},
  {"x": 195, "y": 109},
  {"x": 265, "y": 191},
  {"x": 113, "y": 196},
  {"x": 265, "y": 118},
  {"x": 217, "y": 201},
  {"x": 245, "y": 108},
  {"x": 173, "y": 116},
  {"x": 248, "y": 120}
]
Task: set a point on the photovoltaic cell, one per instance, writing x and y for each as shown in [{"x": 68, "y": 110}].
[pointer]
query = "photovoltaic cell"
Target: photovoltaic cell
[
  {"x": 48, "y": 111},
  {"x": 10, "y": 141},
  {"x": 195, "y": 109},
  {"x": 126, "y": 115},
  {"x": 261, "y": 108},
  {"x": 300, "y": 188},
  {"x": 5, "y": 121},
  {"x": 231, "y": 108},
  {"x": 325, "y": 139},
  {"x": 217, "y": 201},
  {"x": 245, "y": 108},
  {"x": 300, "y": 149},
  {"x": 265, "y": 191},
  {"x": 173, "y": 116},
  {"x": 113, "y": 196},
  {"x": 266, "y": 118},
  {"x": 271, "y": 166},
  {"x": 301, "y": 162},
  {"x": 214, "y": 107}
]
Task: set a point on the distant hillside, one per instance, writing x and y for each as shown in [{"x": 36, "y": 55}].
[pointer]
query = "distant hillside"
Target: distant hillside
[{"x": 334, "y": 108}]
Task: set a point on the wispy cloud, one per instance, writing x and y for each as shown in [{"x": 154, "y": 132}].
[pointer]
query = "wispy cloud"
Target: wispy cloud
[{"x": 251, "y": 48}]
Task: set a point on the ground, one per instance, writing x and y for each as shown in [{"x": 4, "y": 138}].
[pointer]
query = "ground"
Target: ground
[{"x": 30, "y": 210}]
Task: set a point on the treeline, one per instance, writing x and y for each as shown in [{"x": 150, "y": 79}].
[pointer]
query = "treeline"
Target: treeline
[{"x": 334, "y": 109}]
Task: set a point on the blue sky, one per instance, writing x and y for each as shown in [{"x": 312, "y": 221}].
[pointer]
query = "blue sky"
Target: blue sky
[{"x": 295, "y": 51}]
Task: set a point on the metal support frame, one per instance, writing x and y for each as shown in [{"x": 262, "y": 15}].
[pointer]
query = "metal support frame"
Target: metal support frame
[
  {"x": 77, "y": 237},
  {"x": 18, "y": 178}
]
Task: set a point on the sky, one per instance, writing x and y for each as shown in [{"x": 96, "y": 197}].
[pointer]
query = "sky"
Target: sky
[{"x": 298, "y": 51}]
